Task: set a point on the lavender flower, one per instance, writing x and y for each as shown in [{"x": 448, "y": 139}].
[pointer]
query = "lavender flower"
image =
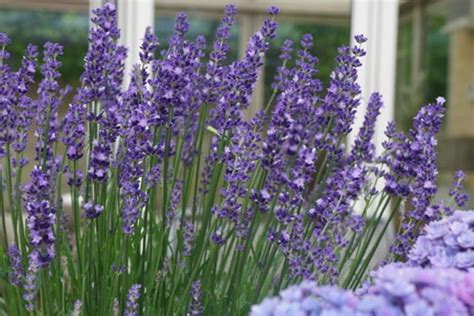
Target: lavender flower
[
  {"x": 30, "y": 286},
  {"x": 47, "y": 122},
  {"x": 74, "y": 179},
  {"x": 39, "y": 196},
  {"x": 215, "y": 71},
  {"x": 4, "y": 41},
  {"x": 196, "y": 308},
  {"x": 240, "y": 79},
  {"x": 363, "y": 149},
  {"x": 131, "y": 308},
  {"x": 360, "y": 38},
  {"x": 16, "y": 275},
  {"x": 149, "y": 44},
  {"x": 116, "y": 307},
  {"x": 188, "y": 231},
  {"x": 241, "y": 157},
  {"x": 99, "y": 163},
  {"x": 100, "y": 82},
  {"x": 174, "y": 203},
  {"x": 6, "y": 95},
  {"x": 103, "y": 37},
  {"x": 76, "y": 311},
  {"x": 273, "y": 10},
  {"x": 333, "y": 213},
  {"x": 287, "y": 141},
  {"x": 137, "y": 144},
  {"x": 221, "y": 45},
  {"x": 413, "y": 159},
  {"x": 454, "y": 192},
  {"x": 343, "y": 93},
  {"x": 22, "y": 115},
  {"x": 448, "y": 243},
  {"x": 283, "y": 73},
  {"x": 41, "y": 216},
  {"x": 217, "y": 237},
  {"x": 93, "y": 211}
]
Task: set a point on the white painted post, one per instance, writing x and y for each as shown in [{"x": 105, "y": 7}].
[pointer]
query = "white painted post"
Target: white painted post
[
  {"x": 378, "y": 21},
  {"x": 134, "y": 16}
]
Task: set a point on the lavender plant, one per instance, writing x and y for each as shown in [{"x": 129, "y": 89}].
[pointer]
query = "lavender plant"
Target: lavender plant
[{"x": 179, "y": 202}]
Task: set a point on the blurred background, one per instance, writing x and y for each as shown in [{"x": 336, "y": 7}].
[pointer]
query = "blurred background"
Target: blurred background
[{"x": 418, "y": 49}]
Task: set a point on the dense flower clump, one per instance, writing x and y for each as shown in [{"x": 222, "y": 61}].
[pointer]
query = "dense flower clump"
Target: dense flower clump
[
  {"x": 395, "y": 292},
  {"x": 416, "y": 291},
  {"x": 308, "y": 299},
  {"x": 181, "y": 203},
  {"x": 448, "y": 243}
]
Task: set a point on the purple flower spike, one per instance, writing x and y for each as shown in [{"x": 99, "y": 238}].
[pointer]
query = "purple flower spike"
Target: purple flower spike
[
  {"x": 283, "y": 73},
  {"x": 286, "y": 49},
  {"x": 273, "y": 10},
  {"x": 413, "y": 170},
  {"x": 4, "y": 41},
  {"x": 41, "y": 216},
  {"x": 30, "y": 286},
  {"x": 131, "y": 308},
  {"x": 360, "y": 38},
  {"x": 307, "y": 41},
  {"x": 455, "y": 191},
  {"x": 16, "y": 274},
  {"x": 93, "y": 211},
  {"x": 343, "y": 94},
  {"x": 217, "y": 237},
  {"x": 363, "y": 149},
  {"x": 182, "y": 24},
  {"x": 188, "y": 231},
  {"x": 100, "y": 162},
  {"x": 149, "y": 44},
  {"x": 100, "y": 82},
  {"x": 221, "y": 45},
  {"x": 76, "y": 311},
  {"x": 196, "y": 308},
  {"x": 230, "y": 10}
]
